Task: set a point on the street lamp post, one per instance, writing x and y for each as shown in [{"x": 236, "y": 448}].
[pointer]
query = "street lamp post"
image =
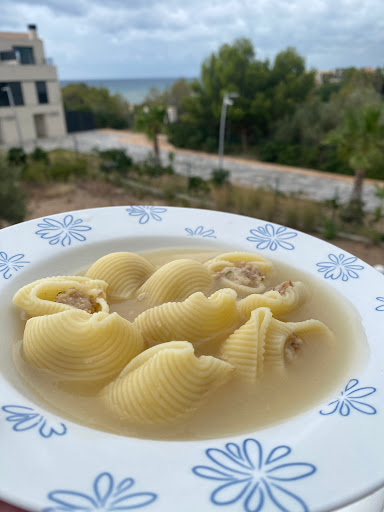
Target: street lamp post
[
  {"x": 227, "y": 100},
  {"x": 8, "y": 90}
]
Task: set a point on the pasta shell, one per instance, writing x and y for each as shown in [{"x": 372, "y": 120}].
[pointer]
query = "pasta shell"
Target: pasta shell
[
  {"x": 283, "y": 340},
  {"x": 244, "y": 349},
  {"x": 264, "y": 342},
  {"x": 197, "y": 319},
  {"x": 279, "y": 303},
  {"x": 165, "y": 384},
  {"x": 124, "y": 272},
  {"x": 74, "y": 345},
  {"x": 231, "y": 271},
  {"x": 38, "y": 298},
  {"x": 176, "y": 281}
]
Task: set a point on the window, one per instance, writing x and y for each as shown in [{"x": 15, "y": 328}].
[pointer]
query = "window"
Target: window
[
  {"x": 8, "y": 55},
  {"x": 16, "y": 93},
  {"x": 41, "y": 89},
  {"x": 24, "y": 54}
]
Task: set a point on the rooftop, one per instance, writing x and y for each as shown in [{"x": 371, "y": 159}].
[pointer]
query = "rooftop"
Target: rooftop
[{"x": 14, "y": 35}]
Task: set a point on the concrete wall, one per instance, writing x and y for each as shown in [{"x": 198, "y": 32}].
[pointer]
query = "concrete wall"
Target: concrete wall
[
  {"x": 37, "y": 45},
  {"x": 28, "y": 75},
  {"x": 21, "y": 72},
  {"x": 53, "y": 117}
]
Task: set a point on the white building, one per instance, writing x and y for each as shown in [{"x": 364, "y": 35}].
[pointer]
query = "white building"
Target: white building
[{"x": 29, "y": 80}]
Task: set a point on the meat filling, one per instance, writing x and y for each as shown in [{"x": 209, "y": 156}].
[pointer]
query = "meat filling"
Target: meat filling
[
  {"x": 283, "y": 287},
  {"x": 292, "y": 348},
  {"x": 77, "y": 299},
  {"x": 243, "y": 273}
]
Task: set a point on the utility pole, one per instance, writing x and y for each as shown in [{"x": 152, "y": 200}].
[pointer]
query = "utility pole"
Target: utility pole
[
  {"x": 11, "y": 100},
  {"x": 227, "y": 100}
]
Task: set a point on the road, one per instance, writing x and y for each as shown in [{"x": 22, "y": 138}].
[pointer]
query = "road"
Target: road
[{"x": 308, "y": 183}]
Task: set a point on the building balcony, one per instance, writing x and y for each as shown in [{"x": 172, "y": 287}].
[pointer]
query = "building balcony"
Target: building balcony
[{"x": 25, "y": 72}]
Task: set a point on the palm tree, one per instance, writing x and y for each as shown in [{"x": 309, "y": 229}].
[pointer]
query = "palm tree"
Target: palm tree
[
  {"x": 359, "y": 140},
  {"x": 151, "y": 121}
]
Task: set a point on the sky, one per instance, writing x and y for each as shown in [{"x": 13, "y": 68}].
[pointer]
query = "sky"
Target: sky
[{"x": 170, "y": 38}]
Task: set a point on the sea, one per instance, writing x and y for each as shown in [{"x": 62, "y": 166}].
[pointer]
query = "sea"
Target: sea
[{"x": 134, "y": 90}]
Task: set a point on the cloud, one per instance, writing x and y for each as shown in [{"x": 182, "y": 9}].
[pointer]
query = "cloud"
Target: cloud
[
  {"x": 127, "y": 38},
  {"x": 58, "y": 7}
]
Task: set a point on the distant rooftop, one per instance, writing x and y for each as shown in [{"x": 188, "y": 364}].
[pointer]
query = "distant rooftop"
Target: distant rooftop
[{"x": 14, "y": 35}]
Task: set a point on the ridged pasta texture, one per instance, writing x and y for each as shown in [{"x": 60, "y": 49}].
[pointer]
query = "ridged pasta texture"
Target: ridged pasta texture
[
  {"x": 280, "y": 335},
  {"x": 244, "y": 349},
  {"x": 124, "y": 272},
  {"x": 74, "y": 345},
  {"x": 293, "y": 296},
  {"x": 264, "y": 342},
  {"x": 38, "y": 298},
  {"x": 230, "y": 271},
  {"x": 197, "y": 319},
  {"x": 175, "y": 281},
  {"x": 165, "y": 384}
]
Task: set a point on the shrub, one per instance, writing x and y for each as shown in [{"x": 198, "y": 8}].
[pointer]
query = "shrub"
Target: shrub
[
  {"x": 115, "y": 160},
  {"x": 35, "y": 172},
  {"x": 12, "y": 198},
  {"x": 330, "y": 229},
  {"x": 219, "y": 177},
  {"x": 197, "y": 184},
  {"x": 309, "y": 218},
  {"x": 39, "y": 155},
  {"x": 16, "y": 156},
  {"x": 63, "y": 170},
  {"x": 291, "y": 216}
]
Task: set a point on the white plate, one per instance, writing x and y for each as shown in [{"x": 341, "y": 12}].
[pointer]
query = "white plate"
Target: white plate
[{"x": 314, "y": 461}]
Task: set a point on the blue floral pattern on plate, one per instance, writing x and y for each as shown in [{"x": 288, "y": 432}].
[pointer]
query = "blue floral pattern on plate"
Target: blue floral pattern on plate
[
  {"x": 199, "y": 231},
  {"x": 350, "y": 399},
  {"x": 10, "y": 264},
  {"x": 339, "y": 266},
  {"x": 252, "y": 479},
  {"x": 146, "y": 213},
  {"x": 107, "y": 496},
  {"x": 380, "y": 307},
  {"x": 25, "y": 418},
  {"x": 62, "y": 232},
  {"x": 268, "y": 237}
]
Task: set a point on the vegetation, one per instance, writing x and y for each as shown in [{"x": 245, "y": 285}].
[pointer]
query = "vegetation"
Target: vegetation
[
  {"x": 150, "y": 120},
  {"x": 16, "y": 156},
  {"x": 172, "y": 96},
  {"x": 360, "y": 142},
  {"x": 12, "y": 196},
  {"x": 109, "y": 110},
  {"x": 147, "y": 180},
  {"x": 114, "y": 160},
  {"x": 220, "y": 177},
  {"x": 281, "y": 114}
]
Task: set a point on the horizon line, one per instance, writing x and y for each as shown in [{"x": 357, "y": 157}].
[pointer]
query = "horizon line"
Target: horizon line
[{"x": 127, "y": 78}]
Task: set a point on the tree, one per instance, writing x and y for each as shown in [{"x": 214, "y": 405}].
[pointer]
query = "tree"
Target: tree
[
  {"x": 266, "y": 93},
  {"x": 171, "y": 96},
  {"x": 289, "y": 83},
  {"x": 150, "y": 120},
  {"x": 233, "y": 69},
  {"x": 359, "y": 140},
  {"x": 109, "y": 110}
]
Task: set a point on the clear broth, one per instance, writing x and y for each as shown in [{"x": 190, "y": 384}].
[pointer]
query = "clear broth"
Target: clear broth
[{"x": 236, "y": 408}]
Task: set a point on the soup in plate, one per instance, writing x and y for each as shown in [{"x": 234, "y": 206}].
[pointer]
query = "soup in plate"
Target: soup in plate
[{"x": 185, "y": 344}]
